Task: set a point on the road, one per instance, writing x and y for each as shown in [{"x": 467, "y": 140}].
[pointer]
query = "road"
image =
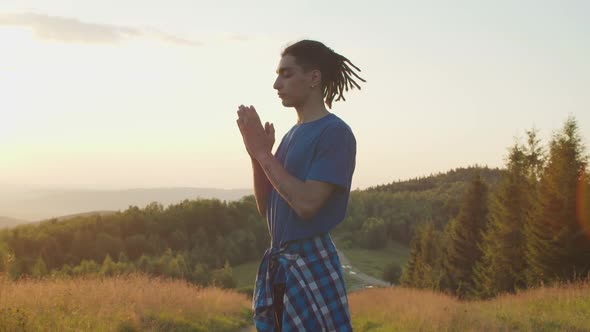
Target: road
[{"x": 364, "y": 280}]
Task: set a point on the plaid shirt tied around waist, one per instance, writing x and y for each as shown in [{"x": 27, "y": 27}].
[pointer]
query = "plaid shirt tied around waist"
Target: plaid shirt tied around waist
[{"x": 315, "y": 293}]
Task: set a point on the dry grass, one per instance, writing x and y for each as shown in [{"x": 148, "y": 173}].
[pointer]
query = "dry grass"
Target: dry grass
[
  {"x": 140, "y": 303},
  {"x": 561, "y": 308},
  {"x": 128, "y": 303}
]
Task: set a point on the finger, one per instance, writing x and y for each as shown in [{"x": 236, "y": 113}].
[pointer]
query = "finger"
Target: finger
[
  {"x": 252, "y": 111},
  {"x": 240, "y": 127}
]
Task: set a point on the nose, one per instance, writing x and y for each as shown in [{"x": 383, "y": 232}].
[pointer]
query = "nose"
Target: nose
[{"x": 277, "y": 85}]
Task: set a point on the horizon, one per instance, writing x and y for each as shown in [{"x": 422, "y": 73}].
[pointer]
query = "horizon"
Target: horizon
[
  {"x": 57, "y": 187},
  {"x": 101, "y": 98}
]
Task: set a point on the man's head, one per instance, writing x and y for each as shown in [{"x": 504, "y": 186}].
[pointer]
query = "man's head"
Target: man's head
[{"x": 309, "y": 69}]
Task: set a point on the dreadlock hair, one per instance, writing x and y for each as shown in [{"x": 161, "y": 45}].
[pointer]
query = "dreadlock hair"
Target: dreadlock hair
[{"x": 335, "y": 69}]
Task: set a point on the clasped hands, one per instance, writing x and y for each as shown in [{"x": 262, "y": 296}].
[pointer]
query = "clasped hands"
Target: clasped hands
[{"x": 258, "y": 140}]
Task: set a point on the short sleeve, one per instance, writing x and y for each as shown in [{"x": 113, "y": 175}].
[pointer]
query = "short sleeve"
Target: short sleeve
[{"x": 334, "y": 157}]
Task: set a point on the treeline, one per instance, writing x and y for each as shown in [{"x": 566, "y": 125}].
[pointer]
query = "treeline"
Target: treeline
[
  {"x": 533, "y": 229},
  {"x": 197, "y": 240},
  {"x": 393, "y": 211}
]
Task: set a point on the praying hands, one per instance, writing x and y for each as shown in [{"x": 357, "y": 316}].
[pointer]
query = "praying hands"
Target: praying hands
[{"x": 258, "y": 140}]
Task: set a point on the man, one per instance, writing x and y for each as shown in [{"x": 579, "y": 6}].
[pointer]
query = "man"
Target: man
[{"x": 303, "y": 191}]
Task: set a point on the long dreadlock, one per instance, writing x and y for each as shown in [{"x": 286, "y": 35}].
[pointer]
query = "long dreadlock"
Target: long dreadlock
[{"x": 335, "y": 68}]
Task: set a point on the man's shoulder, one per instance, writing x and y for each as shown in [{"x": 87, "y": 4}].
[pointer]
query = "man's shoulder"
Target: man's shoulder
[{"x": 336, "y": 125}]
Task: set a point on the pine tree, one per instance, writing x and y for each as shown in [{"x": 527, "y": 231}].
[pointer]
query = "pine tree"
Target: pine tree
[
  {"x": 423, "y": 268},
  {"x": 464, "y": 236},
  {"x": 429, "y": 269},
  {"x": 409, "y": 275},
  {"x": 557, "y": 248},
  {"x": 502, "y": 266}
]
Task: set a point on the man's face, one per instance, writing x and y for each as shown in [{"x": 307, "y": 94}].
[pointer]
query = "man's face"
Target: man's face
[{"x": 292, "y": 84}]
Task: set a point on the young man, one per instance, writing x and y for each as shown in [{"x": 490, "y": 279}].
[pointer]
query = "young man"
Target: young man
[{"x": 303, "y": 192}]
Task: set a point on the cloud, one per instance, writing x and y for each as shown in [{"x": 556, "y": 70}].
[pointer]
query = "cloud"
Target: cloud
[
  {"x": 165, "y": 37},
  {"x": 71, "y": 30}
]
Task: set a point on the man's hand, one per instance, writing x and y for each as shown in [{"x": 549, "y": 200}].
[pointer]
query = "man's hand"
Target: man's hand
[{"x": 258, "y": 140}]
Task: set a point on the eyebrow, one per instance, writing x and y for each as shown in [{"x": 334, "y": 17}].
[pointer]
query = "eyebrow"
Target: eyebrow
[{"x": 283, "y": 69}]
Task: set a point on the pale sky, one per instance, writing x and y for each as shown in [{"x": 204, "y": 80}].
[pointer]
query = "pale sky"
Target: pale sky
[{"x": 119, "y": 94}]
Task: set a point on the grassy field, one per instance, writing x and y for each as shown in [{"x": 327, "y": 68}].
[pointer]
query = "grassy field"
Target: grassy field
[
  {"x": 564, "y": 308},
  {"x": 373, "y": 262},
  {"x": 245, "y": 274},
  {"x": 138, "y": 303},
  {"x": 132, "y": 303}
]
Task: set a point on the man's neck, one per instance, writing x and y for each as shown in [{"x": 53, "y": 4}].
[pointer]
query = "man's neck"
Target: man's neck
[{"x": 311, "y": 111}]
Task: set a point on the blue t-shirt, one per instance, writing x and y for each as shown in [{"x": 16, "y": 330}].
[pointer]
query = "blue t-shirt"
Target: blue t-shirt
[{"x": 322, "y": 150}]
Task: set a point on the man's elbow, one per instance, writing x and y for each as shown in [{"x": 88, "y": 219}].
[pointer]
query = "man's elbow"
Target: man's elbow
[
  {"x": 307, "y": 211},
  {"x": 261, "y": 210}
]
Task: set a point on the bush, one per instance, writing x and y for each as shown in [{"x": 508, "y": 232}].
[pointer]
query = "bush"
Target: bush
[{"x": 392, "y": 273}]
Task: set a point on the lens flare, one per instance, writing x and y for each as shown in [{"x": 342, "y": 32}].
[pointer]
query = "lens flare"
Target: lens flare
[{"x": 583, "y": 204}]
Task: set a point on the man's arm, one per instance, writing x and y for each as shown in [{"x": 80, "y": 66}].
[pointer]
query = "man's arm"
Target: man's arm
[
  {"x": 262, "y": 187},
  {"x": 304, "y": 197}
]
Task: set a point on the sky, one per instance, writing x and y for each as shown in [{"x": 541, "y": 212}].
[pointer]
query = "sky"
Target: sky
[{"x": 137, "y": 94}]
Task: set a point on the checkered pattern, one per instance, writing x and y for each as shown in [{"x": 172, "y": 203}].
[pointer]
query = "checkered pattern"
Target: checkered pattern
[{"x": 315, "y": 294}]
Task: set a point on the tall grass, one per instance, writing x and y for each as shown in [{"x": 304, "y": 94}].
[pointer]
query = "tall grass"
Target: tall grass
[
  {"x": 141, "y": 303},
  {"x": 124, "y": 303},
  {"x": 559, "y": 308}
]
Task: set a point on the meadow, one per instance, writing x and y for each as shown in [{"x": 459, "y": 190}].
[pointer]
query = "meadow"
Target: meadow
[
  {"x": 559, "y": 308},
  {"x": 123, "y": 303},
  {"x": 141, "y": 303}
]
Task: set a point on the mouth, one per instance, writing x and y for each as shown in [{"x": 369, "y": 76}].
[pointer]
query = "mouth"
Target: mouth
[{"x": 281, "y": 95}]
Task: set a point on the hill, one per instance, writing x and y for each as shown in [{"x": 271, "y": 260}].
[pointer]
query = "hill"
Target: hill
[
  {"x": 7, "y": 222},
  {"x": 403, "y": 205},
  {"x": 38, "y": 204}
]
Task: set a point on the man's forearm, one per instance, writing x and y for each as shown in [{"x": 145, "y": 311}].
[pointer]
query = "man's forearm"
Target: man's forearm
[
  {"x": 261, "y": 187},
  {"x": 289, "y": 187}
]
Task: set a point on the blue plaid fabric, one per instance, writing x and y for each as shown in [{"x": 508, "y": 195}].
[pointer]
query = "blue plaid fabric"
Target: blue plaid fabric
[{"x": 315, "y": 293}]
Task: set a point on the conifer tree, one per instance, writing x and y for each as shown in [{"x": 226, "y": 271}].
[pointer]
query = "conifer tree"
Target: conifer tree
[
  {"x": 464, "y": 236},
  {"x": 557, "y": 248},
  {"x": 502, "y": 265},
  {"x": 409, "y": 274}
]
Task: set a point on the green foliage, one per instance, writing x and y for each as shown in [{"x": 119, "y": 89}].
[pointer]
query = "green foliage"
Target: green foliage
[
  {"x": 392, "y": 273},
  {"x": 39, "y": 269},
  {"x": 557, "y": 247},
  {"x": 424, "y": 268},
  {"x": 86, "y": 267},
  {"x": 503, "y": 264},
  {"x": 537, "y": 230},
  {"x": 224, "y": 277},
  {"x": 464, "y": 235},
  {"x": 373, "y": 234},
  {"x": 404, "y": 205},
  {"x": 181, "y": 241}
]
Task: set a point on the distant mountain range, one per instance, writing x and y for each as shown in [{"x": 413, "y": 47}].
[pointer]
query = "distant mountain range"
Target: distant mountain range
[
  {"x": 18, "y": 207},
  {"x": 7, "y": 222}
]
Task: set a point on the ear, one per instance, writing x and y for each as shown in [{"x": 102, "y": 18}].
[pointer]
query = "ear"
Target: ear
[{"x": 316, "y": 77}]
